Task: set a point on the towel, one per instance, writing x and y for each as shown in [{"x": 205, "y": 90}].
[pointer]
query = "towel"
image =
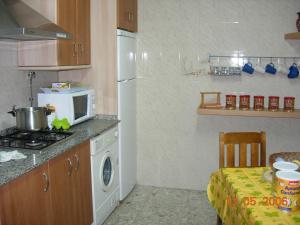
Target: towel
[{"x": 7, "y": 156}]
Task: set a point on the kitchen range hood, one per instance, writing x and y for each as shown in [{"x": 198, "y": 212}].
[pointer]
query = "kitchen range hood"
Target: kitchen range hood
[{"x": 18, "y": 21}]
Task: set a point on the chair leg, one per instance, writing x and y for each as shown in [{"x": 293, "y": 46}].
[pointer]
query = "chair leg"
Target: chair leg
[{"x": 219, "y": 221}]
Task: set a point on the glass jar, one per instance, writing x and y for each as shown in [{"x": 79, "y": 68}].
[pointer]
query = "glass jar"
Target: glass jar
[
  {"x": 259, "y": 103},
  {"x": 230, "y": 102},
  {"x": 273, "y": 103},
  {"x": 289, "y": 104},
  {"x": 244, "y": 102}
]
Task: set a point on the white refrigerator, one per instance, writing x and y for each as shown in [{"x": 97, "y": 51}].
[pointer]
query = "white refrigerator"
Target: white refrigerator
[{"x": 126, "y": 51}]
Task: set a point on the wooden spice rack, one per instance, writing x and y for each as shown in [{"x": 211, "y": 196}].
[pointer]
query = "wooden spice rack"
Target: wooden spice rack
[{"x": 249, "y": 113}]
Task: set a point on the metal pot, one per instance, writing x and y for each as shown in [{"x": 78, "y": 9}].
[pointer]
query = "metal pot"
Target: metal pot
[{"x": 31, "y": 118}]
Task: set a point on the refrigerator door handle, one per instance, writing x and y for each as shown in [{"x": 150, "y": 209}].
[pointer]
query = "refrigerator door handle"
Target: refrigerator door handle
[{"x": 126, "y": 80}]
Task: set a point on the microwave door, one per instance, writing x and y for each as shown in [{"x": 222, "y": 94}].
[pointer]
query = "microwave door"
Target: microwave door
[{"x": 80, "y": 106}]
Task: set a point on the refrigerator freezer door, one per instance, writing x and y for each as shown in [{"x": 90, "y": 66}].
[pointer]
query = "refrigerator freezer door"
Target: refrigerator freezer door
[
  {"x": 127, "y": 135},
  {"x": 126, "y": 56}
]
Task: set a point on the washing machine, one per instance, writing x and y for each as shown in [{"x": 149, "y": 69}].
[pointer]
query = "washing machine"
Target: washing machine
[{"x": 105, "y": 174}]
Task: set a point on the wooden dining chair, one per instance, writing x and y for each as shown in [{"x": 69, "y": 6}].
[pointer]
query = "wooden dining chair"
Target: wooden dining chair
[
  {"x": 257, "y": 142},
  {"x": 229, "y": 155}
]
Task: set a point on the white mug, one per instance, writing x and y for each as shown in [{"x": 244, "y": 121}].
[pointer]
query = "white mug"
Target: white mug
[
  {"x": 259, "y": 69},
  {"x": 283, "y": 69}
]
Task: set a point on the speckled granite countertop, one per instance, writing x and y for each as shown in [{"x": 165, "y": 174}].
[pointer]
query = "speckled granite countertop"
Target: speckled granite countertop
[{"x": 82, "y": 132}]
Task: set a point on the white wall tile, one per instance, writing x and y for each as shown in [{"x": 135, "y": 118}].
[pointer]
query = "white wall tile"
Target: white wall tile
[
  {"x": 177, "y": 147},
  {"x": 14, "y": 84}
]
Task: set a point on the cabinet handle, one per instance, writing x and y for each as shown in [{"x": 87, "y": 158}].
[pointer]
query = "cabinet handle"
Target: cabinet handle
[
  {"x": 74, "y": 49},
  {"x": 129, "y": 16},
  {"x": 77, "y": 162},
  {"x": 70, "y": 167},
  {"x": 47, "y": 182},
  {"x": 81, "y": 48}
]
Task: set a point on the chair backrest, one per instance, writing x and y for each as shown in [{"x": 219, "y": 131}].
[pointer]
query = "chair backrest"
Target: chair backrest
[{"x": 257, "y": 142}]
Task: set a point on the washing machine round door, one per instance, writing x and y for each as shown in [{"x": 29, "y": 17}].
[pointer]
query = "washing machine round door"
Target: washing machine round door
[{"x": 107, "y": 171}]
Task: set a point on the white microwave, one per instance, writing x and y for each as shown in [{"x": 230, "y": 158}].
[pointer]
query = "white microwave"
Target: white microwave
[{"x": 76, "y": 107}]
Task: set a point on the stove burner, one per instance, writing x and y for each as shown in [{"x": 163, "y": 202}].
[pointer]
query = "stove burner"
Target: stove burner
[
  {"x": 33, "y": 143},
  {"x": 35, "y": 140},
  {"x": 5, "y": 140},
  {"x": 21, "y": 135},
  {"x": 55, "y": 136}
]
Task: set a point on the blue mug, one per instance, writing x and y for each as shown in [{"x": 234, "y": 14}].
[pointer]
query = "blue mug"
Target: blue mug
[
  {"x": 270, "y": 68},
  {"x": 247, "y": 68},
  {"x": 294, "y": 71}
]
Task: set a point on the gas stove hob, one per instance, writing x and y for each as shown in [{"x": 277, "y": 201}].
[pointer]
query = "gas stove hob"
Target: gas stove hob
[{"x": 33, "y": 140}]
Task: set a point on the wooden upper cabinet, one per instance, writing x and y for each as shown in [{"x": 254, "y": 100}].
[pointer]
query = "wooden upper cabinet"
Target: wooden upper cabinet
[
  {"x": 66, "y": 18},
  {"x": 83, "y": 32},
  {"x": 292, "y": 36},
  {"x": 74, "y": 17},
  {"x": 127, "y": 15},
  {"x": 27, "y": 200}
]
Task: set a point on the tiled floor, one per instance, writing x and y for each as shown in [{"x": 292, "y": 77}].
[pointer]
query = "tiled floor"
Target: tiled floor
[{"x": 148, "y": 205}]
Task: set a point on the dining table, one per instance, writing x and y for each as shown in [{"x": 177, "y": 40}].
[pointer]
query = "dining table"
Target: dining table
[{"x": 242, "y": 196}]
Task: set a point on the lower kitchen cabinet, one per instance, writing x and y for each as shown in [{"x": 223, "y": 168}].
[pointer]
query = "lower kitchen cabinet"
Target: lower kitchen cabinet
[
  {"x": 58, "y": 192},
  {"x": 62, "y": 183},
  {"x": 83, "y": 191},
  {"x": 71, "y": 187},
  {"x": 27, "y": 200}
]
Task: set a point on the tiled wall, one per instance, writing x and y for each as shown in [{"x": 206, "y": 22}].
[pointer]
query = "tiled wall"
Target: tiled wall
[
  {"x": 177, "y": 147},
  {"x": 14, "y": 84}
]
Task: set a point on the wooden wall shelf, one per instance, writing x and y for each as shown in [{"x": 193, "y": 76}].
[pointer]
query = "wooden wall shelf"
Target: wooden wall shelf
[
  {"x": 292, "y": 36},
  {"x": 249, "y": 113}
]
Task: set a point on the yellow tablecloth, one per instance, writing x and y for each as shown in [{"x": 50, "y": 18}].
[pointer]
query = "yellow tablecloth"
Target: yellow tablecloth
[{"x": 241, "y": 197}]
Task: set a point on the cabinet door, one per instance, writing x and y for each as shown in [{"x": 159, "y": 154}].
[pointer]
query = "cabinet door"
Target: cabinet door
[
  {"x": 122, "y": 14},
  {"x": 66, "y": 18},
  {"x": 83, "y": 32},
  {"x": 61, "y": 173},
  {"x": 71, "y": 187},
  {"x": 83, "y": 192},
  {"x": 132, "y": 5},
  {"x": 27, "y": 200},
  {"x": 127, "y": 15}
]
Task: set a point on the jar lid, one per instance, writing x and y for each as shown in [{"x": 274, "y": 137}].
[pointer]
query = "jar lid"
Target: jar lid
[
  {"x": 259, "y": 96},
  {"x": 282, "y": 165},
  {"x": 273, "y": 96},
  {"x": 288, "y": 175},
  {"x": 289, "y": 97},
  {"x": 244, "y": 95},
  {"x": 230, "y": 95}
]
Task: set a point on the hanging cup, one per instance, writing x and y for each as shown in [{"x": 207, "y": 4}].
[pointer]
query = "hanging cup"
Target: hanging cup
[
  {"x": 247, "y": 68},
  {"x": 294, "y": 71},
  {"x": 270, "y": 68}
]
